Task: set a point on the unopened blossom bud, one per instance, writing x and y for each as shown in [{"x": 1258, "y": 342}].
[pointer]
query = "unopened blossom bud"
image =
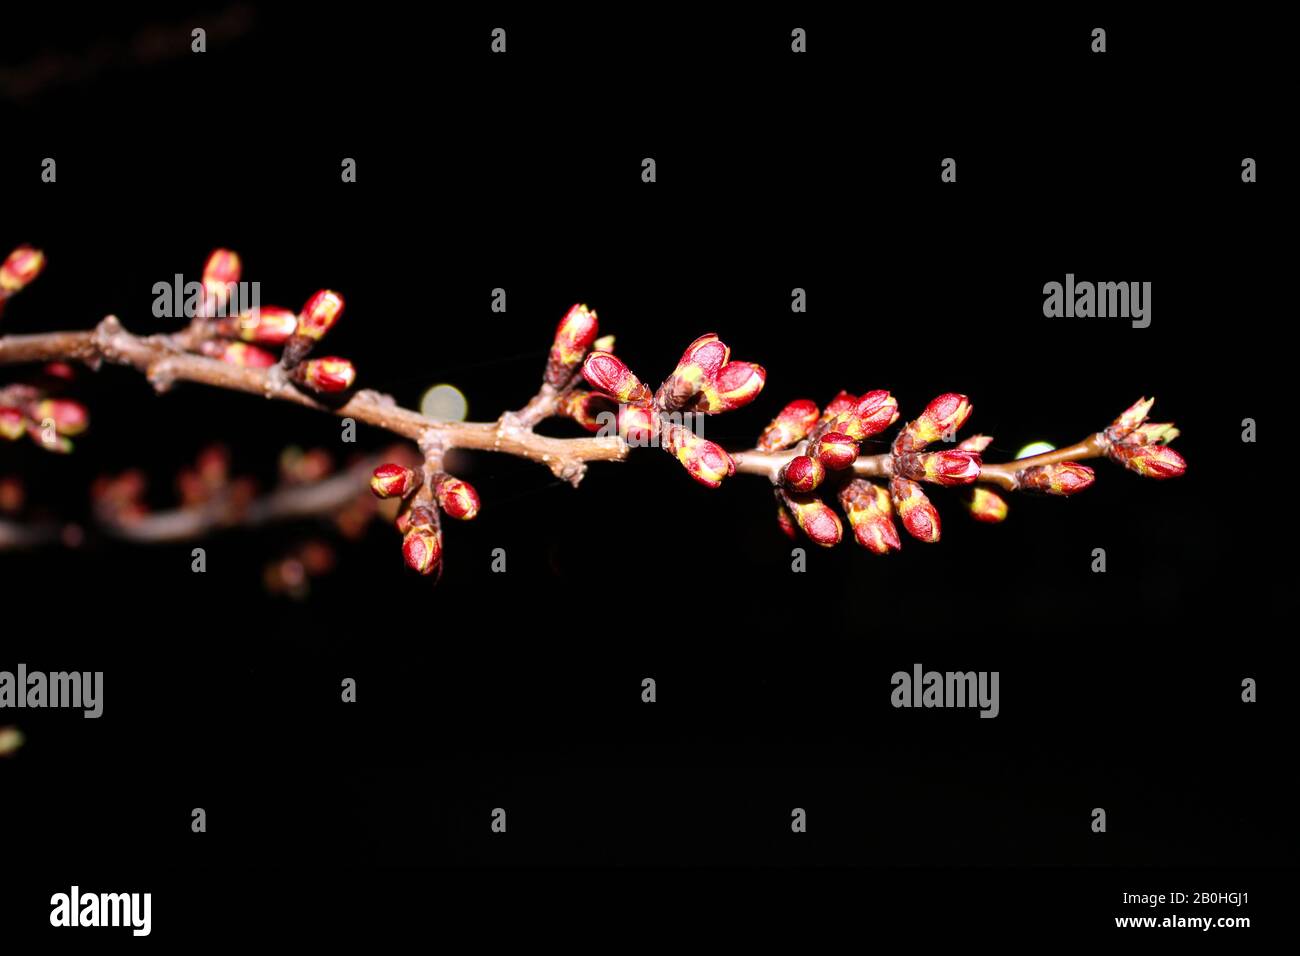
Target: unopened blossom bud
[
  {"x": 638, "y": 425},
  {"x": 327, "y": 375},
  {"x": 12, "y": 495},
  {"x": 950, "y": 467},
  {"x": 871, "y": 515},
  {"x": 1131, "y": 418},
  {"x": 1150, "y": 461},
  {"x": 914, "y": 509},
  {"x": 222, "y": 270},
  {"x": 791, "y": 425},
  {"x": 604, "y": 344},
  {"x": 976, "y": 443},
  {"x": 835, "y": 450},
  {"x": 213, "y": 465},
  {"x": 69, "y": 417},
  {"x": 320, "y": 314},
  {"x": 586, "y": 408},
  {"x": 838, "y": 405},
  {"x": 422, "y": 549},
  {"x": 803, "y": 473},
  {"x": 268, "y": 325},
  {"x": 11, "y": 741},
  {"x": 392, "y": 480},
  {"x": 736, "y": 385},
  {"x": 59, "y": 370},
  {"x": 13, "y": 423},
  {"x": 1152, "y": 433},
  {"x": 49, "y": 439},
  {"x": 816, "y": 518},
  {"x": 608, "y": 374},
  {"x": 941, "y": 418},
  {"x": 699, "y": 365},
  {"x": 19, "y": 269},
  {"x": 706, "y": 462},
  {"x": 573, "y": 336},
  {"x": 869, "y": 415},
  {"x": 457, "y": 498},
  {"x": 985, "y": 505},
  {"x": 238, "y": 353},
  {"x": 785, "y": 521},
  {"x": 1064, "y": 478}
]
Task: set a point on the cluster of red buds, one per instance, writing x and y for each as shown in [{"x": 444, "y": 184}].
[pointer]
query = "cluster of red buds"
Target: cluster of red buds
[
  {"x": 291, "y": 575},
  {"x": 18, "y": 271},
  {"x": 705, "y": 382},
  {"x": 422, "y": 497},
  {"x": 244, "y": 339},
  {"x": 828, "y": 444},
  {"x": 38, "y": 411}
]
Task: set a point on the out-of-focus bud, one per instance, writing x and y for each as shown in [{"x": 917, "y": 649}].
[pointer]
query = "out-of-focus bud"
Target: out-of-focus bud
[
  {"x": 392, "y": 480},
  {"x": 699, "y": 364},
  {"x": 976, "y": 443},
  {"x": 791, "y": 425},
  {"x": 604, "y": 344},
  {"x": 803, "y": 473},
  {"x": 19, "y": 269},
  {"x": 736, "y": 384},
  {"x": 1150, "y": 461},
  {"x": 586, "y": 408},
  {"x": 914, "y": 509},
  {"x": 213, "y": 465},
  {"x": 13, "y": 423},
  {"x": 608, "y": 374},
  {"x": 11, "y": 741},
  {"x": 69, "y": 417},
  {"x": 835, "y": 450},
  {"x": 1065, "y": 478},
  {"x": 785, "y": 521},
  {"x": 269, "y": 325},
  {"x": 327, "y": 375},
  {"x": 638, "y": 425},
  {"x": 300, "y": 467},
  {"x": 59, "y": 370},
  {"x": 942, "y": 417},
  {"x": 422, "y": 549},
  {"x": 869, "y": 415},
  {"x": 49, "y": 439},
  {"x": 457, "y": 498},
  {"x": 221, "y": 271},
  {"x": 985, "y": 505},
  {"x": 238, "y": 353},
  {"x": 817, "y": 519},
  {"x": 1131, "y": 418},
  {"x": 706, "y": 462},
  {"x": 320, "y": 314},
  {"x": 949, "y": 467},
  {"x": 573, "y": 336},
  {"x": 870, "y": 515},
  {"x": 12, "y": 495}
]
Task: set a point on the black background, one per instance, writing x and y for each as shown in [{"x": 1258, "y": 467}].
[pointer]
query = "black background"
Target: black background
[{"x": 522, "y": 690}]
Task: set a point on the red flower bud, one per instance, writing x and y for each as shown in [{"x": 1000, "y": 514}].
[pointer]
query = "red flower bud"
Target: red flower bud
[
  {"x": 918, "y": 515},
  {"x": 392, "y": 480},
  {"x": 268, "y": 325},
  {"x": 838, "y": 405},
  {"x": 419, "y": 516},
  {"x": 736, "y": 384},
  {"x": 221, "y": 271},
  {"x": 791, "y": 425},
  {"x": 870, "y": 515},
  {"x": 949, "y": 467},
  {"x": 61, "y": 370},
  {"x": 976, "y": 443},
  {"x": 238, "y": 353},
  {"x": 608, "y": 374},
  {"x": 803, "y": 473},
  {"x": 457, "y": 498},
  {"x": 941, "y": 418},
  {"x": 573, "y": 336},
  {"x": 422, "y": 549},
  {"x": 19, "y": 269},
  {"x": 785, "y": 521},
  {"x": 326, "y": 374},
  {"x": 1150, "y": 461},
  {"x": 835, "y": 450},
  {"x": 320, "y": 314},
  {"x": 1131, "y": 418},
  {"x": 69, "y": 417},
  {"x": 638, "y": 425},
  {"x": 706, "y": 462},
  {"x": 985, "y": 505},
  {"x": 586, "y": 408},
  {"x": 1065, "y": 478},
  {"x": 817, "y": 519},
  {"x": 13, "y": 423},
  {"x": 699, "y": 365},
  {"x": 870, "y": 415}
]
